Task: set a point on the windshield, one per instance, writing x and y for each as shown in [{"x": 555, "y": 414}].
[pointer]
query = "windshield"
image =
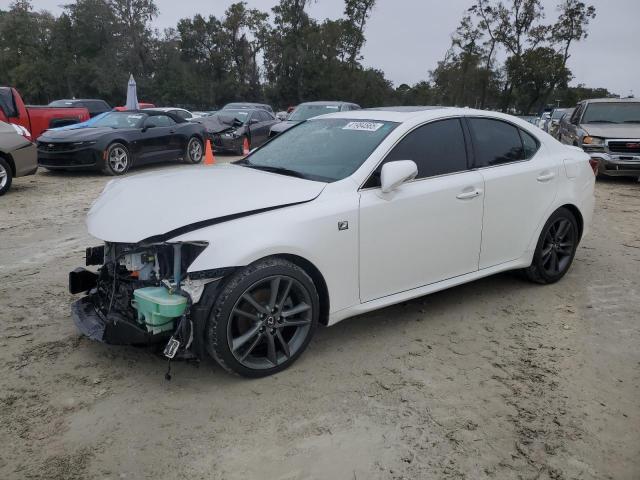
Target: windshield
[
  {"x": 325, "y": 150},
  {"x": 557, "y": 114},
  {"x": 305, "y": 112},
  {"x": 612, "y": 113},
  {"x": 120, "y": 120},
  {"x": 241, "y": 115}
]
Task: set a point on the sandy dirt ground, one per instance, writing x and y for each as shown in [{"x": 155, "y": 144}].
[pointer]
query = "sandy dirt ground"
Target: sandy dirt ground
[{"x": 495, "y": 379}]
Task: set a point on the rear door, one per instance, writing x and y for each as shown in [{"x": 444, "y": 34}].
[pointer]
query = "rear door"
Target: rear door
[
  {"x": 428, "y": 229},
  {"x": 520, "y": 181}
]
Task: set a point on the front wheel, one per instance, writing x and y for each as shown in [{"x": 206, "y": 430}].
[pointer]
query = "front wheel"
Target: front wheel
[
  {"x": 118, "y": 159},
  {"x": 6, "y": 177},
  {"x": 556, "y": 248},
  {"x": 263, "y": 319}
]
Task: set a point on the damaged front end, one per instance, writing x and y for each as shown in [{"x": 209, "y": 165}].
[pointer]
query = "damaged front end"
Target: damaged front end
[{"x": 141, "y": 295}]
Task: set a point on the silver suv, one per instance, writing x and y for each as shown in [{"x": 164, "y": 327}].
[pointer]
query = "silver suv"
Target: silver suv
[{"x": 608, "y": 129}]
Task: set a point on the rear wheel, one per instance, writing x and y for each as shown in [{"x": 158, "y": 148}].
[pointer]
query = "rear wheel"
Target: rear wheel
[
  {"x": 263, "y": 319},
  {"x": 6, "y": 176},
  {"x": 195, "y": 150},
  {"x": 118, "y": 159},
  {"x": 556, "y": 248}
]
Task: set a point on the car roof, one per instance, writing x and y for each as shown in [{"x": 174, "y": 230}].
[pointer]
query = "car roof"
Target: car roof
[
  {"x": 328, "y": 102},
  {"x": 164, "y": 109},
  {"x": 150, "y": 112},
  {"x": 420, "y": 114},
  {"x": 612, "y": 100}
]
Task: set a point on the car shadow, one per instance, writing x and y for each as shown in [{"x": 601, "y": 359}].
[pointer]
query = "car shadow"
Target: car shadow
[{"x": 355, "y": 332}]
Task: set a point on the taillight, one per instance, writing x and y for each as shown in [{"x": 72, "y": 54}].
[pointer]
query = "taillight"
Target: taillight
[{"x": 594, "y": 165}]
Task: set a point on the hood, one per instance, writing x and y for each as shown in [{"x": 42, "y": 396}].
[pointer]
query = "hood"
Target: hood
[
  {"x": 219, "y": 123},
  {"x": 612, "y": 130},
  {"x": 75, "y": 135},
  {"x": 282, "y": 126},
  {"x": 133, "y": 209}
]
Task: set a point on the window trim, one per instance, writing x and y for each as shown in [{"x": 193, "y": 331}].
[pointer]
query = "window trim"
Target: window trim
[
  {"x": 517, "y": 127},
  {"x": 386, "y": 154}
]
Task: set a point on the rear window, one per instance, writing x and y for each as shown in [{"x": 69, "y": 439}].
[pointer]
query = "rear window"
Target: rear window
[{"x": 305, "y": 112}]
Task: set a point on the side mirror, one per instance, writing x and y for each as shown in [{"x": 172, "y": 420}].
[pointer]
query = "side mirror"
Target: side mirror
[
  {"x": 253, "y": 121},
  {"x": 396, "y": 173}
]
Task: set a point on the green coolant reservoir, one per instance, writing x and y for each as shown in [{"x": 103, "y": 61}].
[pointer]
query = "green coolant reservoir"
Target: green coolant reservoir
[{"x": 157, "y": 308}]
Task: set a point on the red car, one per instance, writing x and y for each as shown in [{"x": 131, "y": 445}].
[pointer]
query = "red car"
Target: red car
[{"x": 36, "y": 119}]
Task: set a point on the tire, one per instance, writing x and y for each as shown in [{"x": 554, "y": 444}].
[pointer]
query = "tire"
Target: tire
[
  {"x": 115, "y": 164},
  {"x": 194, "y": 152},
  {"x": 6, "y": 176},
  {"x": 262, "y": 341},
  {"x": 240, "y": 150},
  {"x": 556, "y": 248}
]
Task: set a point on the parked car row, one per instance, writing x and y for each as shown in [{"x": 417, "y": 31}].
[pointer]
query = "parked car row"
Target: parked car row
[
  {"x": 88, "y": 134},
  {"x": 608, "y": 129}
]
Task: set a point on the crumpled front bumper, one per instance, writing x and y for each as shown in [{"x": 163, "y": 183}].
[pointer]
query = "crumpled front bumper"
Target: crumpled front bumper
[{"x": 112, "y": 329}]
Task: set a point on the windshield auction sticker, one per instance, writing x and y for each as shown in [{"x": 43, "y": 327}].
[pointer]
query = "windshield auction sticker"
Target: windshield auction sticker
[{"x": 363, "y": 126}]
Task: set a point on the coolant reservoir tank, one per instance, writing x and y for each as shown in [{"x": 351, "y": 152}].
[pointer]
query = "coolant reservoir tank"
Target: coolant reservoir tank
[{"x": 158, "y": 308}]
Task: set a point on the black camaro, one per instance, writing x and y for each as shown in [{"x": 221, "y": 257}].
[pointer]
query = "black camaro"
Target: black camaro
[{"x": 115, "y": 141}]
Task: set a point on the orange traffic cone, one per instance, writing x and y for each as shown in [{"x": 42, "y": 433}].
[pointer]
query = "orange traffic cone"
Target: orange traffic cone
[
  {"x": 209, "y": 158},
  {"x": 245, "y": 146}
]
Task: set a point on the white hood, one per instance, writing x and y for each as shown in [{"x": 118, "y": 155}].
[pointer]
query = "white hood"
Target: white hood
[{"x": 135, "y": 208}]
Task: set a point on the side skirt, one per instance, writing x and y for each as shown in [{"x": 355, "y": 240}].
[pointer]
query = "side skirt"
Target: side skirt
[{"x": 378, "y": 303}]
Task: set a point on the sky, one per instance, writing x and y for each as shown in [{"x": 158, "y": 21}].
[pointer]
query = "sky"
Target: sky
[{"x": 406, "y": 38}]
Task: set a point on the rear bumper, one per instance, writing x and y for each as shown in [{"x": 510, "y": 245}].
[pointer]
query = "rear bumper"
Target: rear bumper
[
  {"x": 82, "y": 159},
  {"x": 617, "y": 165}
]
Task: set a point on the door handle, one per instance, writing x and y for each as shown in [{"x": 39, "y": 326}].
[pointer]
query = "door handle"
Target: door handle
[
  {"x": 471, "y": 194},
  {"x": 172, "y": 131},
  {"x": 545, "y": 177}
]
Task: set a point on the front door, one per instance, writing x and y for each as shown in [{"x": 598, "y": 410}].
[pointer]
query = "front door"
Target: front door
[{"x": 428, "y": 229}]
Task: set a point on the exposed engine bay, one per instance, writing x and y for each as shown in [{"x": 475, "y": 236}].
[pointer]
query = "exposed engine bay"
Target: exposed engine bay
[{"x": 141, "y": 294}]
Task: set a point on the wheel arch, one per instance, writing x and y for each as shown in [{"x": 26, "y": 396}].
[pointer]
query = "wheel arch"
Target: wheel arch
[
  {"x": 577, "y": 214},
  {"x": 9, "y": 159}
]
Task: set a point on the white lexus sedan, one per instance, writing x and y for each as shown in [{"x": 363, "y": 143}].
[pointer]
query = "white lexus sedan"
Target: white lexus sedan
[{"x": 340, "y": 215}]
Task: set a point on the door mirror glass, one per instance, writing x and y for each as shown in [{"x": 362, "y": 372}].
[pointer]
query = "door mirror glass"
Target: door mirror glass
[{"x": 396, "y": 173}]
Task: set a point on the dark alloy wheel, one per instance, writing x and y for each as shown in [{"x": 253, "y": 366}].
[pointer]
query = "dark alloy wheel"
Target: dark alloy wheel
[
  {"x": 263, "y": 319},
  {"x": 556, "y": 248},
  {"x": 117, "y": 159}
]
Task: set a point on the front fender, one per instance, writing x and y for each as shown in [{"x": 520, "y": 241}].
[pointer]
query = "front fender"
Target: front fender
[{"x": 308, "y": 230}]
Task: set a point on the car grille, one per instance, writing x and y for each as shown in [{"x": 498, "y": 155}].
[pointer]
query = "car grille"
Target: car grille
[
  {"x": 54, "y": 147},
  {"x": 629, "y": 147}
]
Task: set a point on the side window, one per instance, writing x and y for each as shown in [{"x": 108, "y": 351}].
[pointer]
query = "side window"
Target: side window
[
  {"x": 495, "y": 142},
  {"x": 160, "y": 121},
  {"x": 182, "y": 114},
  {"x": 437, "y": 148},
  {"x": 530, "y": 145}
]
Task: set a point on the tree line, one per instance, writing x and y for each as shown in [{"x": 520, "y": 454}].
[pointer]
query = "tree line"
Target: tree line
[{"x": 504, "y": 55}]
